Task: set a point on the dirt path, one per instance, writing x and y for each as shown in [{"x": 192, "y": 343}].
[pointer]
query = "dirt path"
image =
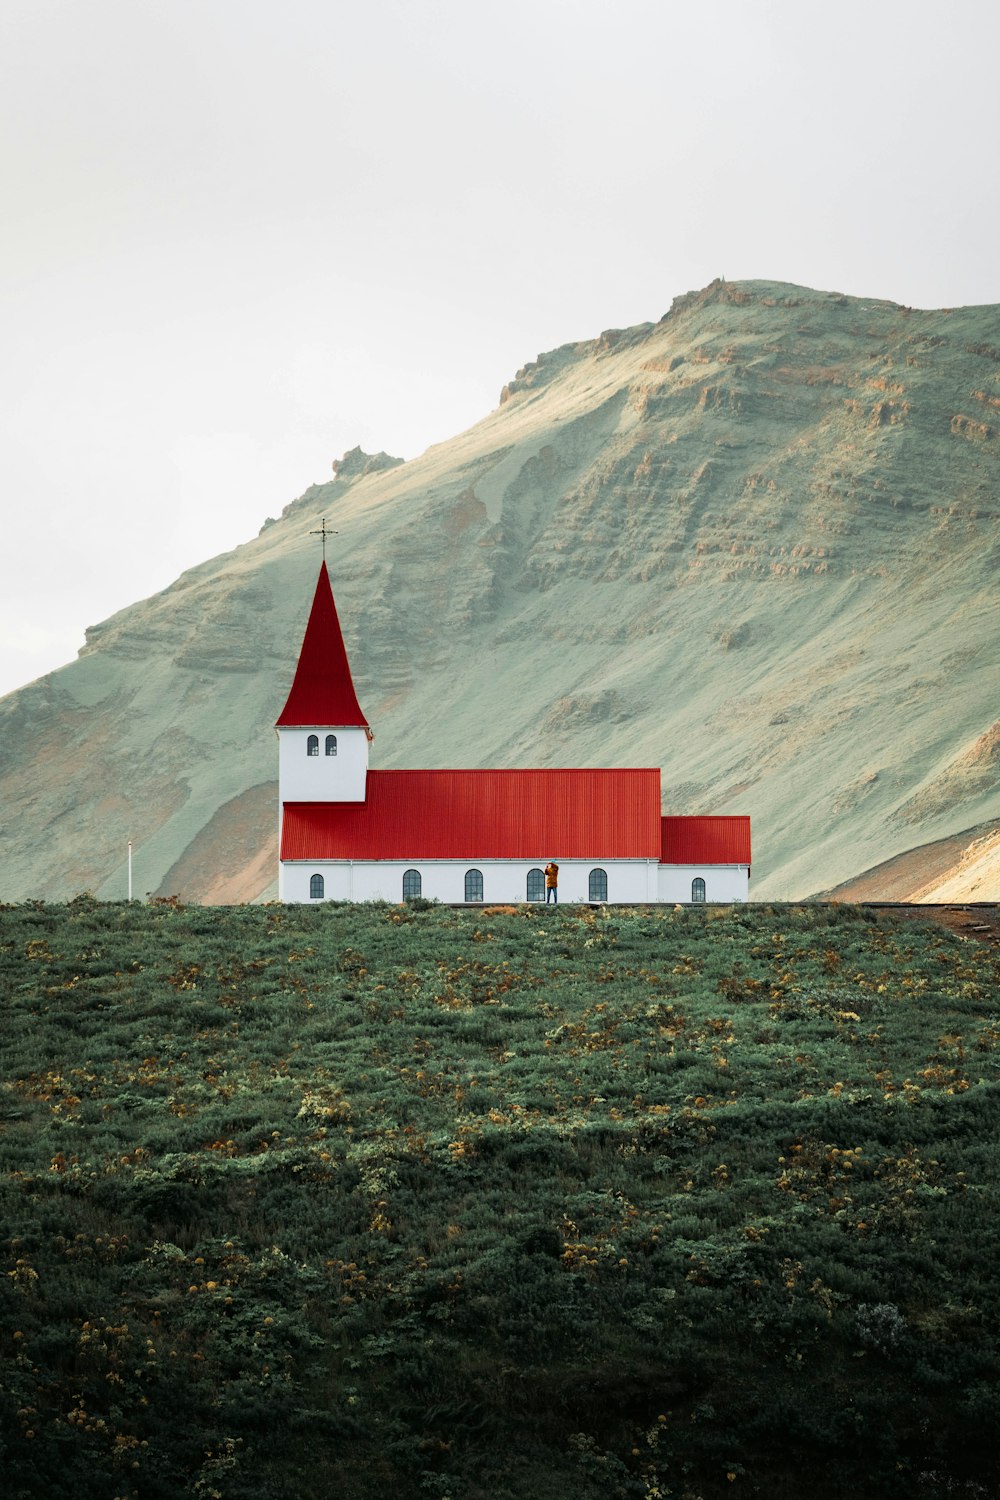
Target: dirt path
[{"x": 980, "y": 921}]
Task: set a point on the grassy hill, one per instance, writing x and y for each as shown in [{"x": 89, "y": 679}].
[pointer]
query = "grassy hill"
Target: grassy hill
[
  {"x": 497, "y": 1204},
  {"x": 754, "y": 543}
]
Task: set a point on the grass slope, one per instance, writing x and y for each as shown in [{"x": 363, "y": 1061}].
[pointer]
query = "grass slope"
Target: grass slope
[
  {"x": 754, "y": 543},
  {"x": 500, "y": 1203}
]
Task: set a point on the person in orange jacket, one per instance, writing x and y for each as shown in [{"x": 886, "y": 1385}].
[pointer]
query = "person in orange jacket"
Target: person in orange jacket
[{"x": 551, "y": 882}]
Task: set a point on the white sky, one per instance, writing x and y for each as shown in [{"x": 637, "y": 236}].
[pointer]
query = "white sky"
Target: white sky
[{"x": 241, "y": 236}]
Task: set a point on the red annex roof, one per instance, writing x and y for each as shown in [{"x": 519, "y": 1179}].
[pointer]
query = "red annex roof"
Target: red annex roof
[
  {"x": 705, "y": 841},
  {"x": 538, "y": 815},
  {"x": 322, "y": 690}
]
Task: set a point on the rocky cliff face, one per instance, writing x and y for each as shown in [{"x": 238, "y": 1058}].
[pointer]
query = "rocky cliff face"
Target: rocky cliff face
[{"x": 754, "y": 543}]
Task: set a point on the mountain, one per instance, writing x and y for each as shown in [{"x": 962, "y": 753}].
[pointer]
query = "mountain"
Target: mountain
[{"x": 754, "y": 543}]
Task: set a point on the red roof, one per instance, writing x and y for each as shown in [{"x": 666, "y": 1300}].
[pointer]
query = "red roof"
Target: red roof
[
  {"x": 538, "y": 815},
  {"x": 705, "y": 841},
  {"x": 322, "y": 690}
]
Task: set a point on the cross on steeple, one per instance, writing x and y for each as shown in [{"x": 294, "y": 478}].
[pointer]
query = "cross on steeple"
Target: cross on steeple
[{"x": 324, "y": 531}]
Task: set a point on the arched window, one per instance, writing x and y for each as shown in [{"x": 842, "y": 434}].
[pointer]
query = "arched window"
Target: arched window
[
  {"x": 697, "y": 889},
  {"x": 312, "y": 745},
  {"x": 316, "y": 887},
  {"x": 536, "y": 885},
  {"x": 331, "y": 744},
  {"x": 598, "y": 885},
  {"x": 473, "y": 885},
  {"x": 411, "y": 884}
]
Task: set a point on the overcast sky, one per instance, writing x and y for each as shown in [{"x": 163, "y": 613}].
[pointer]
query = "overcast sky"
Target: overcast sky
[{"x": 241, "y": 236}]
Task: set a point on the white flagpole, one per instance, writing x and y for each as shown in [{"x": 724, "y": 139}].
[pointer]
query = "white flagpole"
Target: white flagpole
[{"x": 130, "y": 869}]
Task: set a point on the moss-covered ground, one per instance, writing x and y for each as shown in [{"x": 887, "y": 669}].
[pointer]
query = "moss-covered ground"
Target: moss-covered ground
[{"x": 503, "y": 1204}]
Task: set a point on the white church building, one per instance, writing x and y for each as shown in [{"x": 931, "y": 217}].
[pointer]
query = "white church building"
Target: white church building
[{"x": 351, "y": 834}]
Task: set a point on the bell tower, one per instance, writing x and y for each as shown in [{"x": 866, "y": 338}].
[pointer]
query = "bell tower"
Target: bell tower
[{"x": 323, "y": 736}]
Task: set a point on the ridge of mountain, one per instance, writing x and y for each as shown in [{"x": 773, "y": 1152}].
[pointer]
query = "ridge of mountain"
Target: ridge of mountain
[{"x": 753, "y": 543}]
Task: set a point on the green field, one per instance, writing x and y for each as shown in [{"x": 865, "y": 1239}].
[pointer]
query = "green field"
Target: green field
[{"x": 344, "y": 1201}]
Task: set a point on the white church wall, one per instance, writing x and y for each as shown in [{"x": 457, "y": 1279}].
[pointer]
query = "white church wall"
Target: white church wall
[
  {"x": 504, "y": 881},
  {"x": 322, "y": 778},
  {"x": 293, "y": 881},
  {"x": 722, "y": 882}
]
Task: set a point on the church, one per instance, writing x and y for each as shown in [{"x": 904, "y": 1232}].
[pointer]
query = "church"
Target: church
[{"x": 468, "y": 837}]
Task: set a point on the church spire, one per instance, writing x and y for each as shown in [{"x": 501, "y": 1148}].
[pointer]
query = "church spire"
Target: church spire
[{"x": 322, "y": 692}]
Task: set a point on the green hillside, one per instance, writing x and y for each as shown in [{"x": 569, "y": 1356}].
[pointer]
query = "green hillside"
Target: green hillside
[
  {"x": 753, "y": 543},
  {"x": 497, "y": 1205}
]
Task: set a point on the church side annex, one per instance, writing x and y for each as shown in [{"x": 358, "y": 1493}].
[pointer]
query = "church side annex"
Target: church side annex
[{"x": 348, "y": 833}]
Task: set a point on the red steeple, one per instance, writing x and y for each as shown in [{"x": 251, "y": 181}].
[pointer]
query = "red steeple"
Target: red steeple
[{"x": 322, "y": 691}]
